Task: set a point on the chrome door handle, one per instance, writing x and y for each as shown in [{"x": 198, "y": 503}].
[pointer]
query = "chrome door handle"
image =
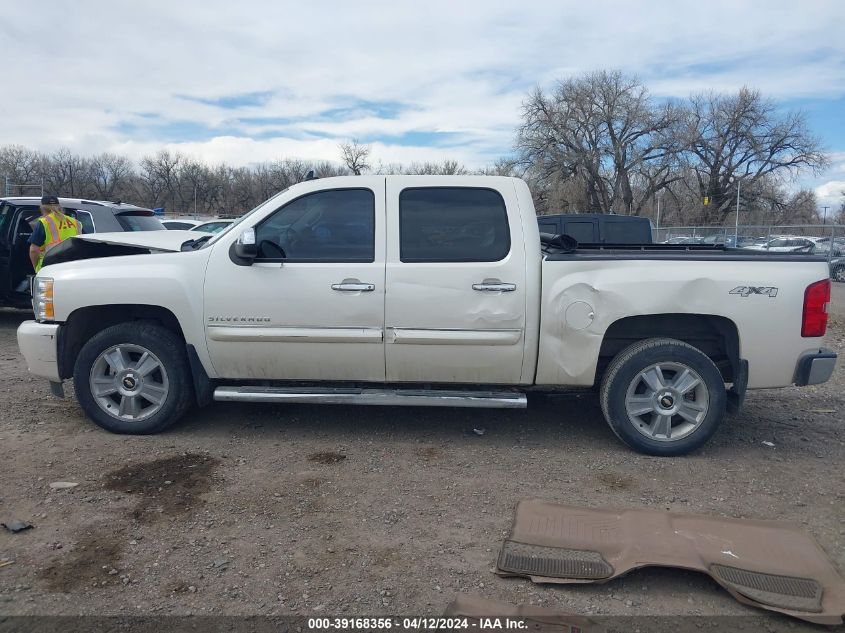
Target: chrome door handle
[
  {"x": 354, "y": 286},
  {"x": 498, "y": 286}
]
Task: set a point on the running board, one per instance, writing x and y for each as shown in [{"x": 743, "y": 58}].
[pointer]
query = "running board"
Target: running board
[{"x": 385, "y": 397}]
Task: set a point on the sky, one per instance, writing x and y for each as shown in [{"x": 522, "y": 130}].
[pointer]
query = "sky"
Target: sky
[{"x": 250, "y": 81}]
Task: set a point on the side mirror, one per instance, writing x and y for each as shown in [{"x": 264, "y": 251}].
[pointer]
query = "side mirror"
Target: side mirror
[{"x": 245, "y": 249}]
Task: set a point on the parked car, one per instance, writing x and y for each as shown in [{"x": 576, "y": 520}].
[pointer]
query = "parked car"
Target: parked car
[
  {"x": 213, "y": 226},
  {"x": 837, "y": 268},
  {"x": 729, "y": 240},
  {"x": 17, "y": 220},
  {"x": 786, "y": 244},
  {"x": 598, "y": 228},
  {"x": 180, "y": 224},
  {"x": 827, "y": 246},
  {"x": 423, "y": 290},
  {"x": 684, "y": 239}
]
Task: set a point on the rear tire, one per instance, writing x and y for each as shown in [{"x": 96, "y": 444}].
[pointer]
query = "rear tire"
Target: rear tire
[
  {"x": 134, "y": 378},
  {"x": 663, "y": 397},
  {"x": 838, "y": 273}
]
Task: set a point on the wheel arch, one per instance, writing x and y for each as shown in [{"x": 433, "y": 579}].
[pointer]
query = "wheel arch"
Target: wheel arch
[
  {"x": 83, "y": 323},
  {"x": 716, "y": 336}
]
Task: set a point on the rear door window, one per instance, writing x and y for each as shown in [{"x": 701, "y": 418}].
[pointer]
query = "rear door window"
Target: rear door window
[
  {"x": 631, "y": 232},
  {"x": 84, "y": 218},
  {"x": 452, "y": 224},
  {"x": 583, "y": 232}
]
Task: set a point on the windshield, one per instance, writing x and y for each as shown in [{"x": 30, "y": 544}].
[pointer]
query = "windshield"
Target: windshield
[
  {"x": 131, "y": 222},
  {"x": 237, "y": 222}
]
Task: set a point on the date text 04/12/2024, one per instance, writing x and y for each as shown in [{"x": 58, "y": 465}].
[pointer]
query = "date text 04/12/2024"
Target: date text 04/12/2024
[{"x": 416, "y": 623}]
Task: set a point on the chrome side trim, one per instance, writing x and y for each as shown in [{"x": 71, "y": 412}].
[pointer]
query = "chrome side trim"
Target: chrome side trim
[
  {"x": 384, "y": 397},
  {"x": 412, "y": 336},
  {"x": 262, "y": 334}
]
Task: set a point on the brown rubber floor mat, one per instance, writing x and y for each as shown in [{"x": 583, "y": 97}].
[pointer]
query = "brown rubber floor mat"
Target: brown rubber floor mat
[
  {"x": 800, "y": 594},
  {"x": 536, "y": 560},
  {"x": 773, "y": 565},
  {"x": 536, "y": 619}
]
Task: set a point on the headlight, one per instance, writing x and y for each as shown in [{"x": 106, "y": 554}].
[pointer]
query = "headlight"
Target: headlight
[{"x": 42, "y": 299}]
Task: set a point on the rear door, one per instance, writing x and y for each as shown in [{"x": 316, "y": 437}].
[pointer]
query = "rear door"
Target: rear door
[
  {"x": 84, "y": 217},
  {"x": 455, "y": 304}
]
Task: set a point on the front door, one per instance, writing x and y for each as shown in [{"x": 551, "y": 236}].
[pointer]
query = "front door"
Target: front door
[
  {"x": 311, "y": 306},
  {"x": 455, "y": 309},
  {"x": 16, "y": 229}
]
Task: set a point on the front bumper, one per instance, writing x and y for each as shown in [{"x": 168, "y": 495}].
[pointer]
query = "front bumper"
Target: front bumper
[
  {"x": 38, "y": 343},
  {"x": 815, "y": 367}
]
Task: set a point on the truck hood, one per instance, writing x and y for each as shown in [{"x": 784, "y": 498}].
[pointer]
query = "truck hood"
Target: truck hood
[
  {"x": 162, "y": 241},
  {"x": 98, "y": 245}
]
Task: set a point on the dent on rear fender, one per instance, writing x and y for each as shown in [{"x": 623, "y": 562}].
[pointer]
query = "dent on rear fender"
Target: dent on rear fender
[{"x": 569, "y": 355}]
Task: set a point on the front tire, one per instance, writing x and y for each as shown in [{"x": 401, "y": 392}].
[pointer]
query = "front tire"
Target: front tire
[
  {"x": 134, "y": 378},
  {"x": 663, "y": 397}
]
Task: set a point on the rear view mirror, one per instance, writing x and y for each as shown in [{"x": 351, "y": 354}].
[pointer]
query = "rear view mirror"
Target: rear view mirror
[{"x": 245, "y": 249}]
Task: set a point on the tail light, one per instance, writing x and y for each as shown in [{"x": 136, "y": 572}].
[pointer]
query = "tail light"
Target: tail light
[{"x": 814, "y": 316}]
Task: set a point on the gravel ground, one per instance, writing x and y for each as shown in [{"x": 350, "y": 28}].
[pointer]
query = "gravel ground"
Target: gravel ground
[{"x": 260, "y": 509}]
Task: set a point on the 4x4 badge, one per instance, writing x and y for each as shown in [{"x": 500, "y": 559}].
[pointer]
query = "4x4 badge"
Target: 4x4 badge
[{"x": 744, "y": 291}]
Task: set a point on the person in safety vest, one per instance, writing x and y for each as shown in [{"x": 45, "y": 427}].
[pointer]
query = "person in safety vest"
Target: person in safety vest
[{"x": 53, "y": 227}]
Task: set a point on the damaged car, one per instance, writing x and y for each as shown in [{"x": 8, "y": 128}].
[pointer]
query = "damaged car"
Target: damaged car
[
  {"x": 424, "y": 291},
  {"x": 18, "y": 216}
]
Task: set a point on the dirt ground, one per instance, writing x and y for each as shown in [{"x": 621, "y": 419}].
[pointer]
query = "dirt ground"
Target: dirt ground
[{"x": 258, "y": 509}]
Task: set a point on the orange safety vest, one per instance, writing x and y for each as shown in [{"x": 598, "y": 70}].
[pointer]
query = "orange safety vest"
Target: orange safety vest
[{"x": 55, "y": 232}]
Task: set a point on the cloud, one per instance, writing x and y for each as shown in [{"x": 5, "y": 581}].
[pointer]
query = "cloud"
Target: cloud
[
  {"x": 255, "y": 80},
  {"x": 831, "y": 193}
]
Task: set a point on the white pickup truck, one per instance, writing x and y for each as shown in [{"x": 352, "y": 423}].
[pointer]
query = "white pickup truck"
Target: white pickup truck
[{"x": 421, "y": 290}]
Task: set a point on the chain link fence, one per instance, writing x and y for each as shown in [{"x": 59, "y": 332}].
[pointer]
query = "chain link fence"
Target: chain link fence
[{"x": 826, "y": 240}]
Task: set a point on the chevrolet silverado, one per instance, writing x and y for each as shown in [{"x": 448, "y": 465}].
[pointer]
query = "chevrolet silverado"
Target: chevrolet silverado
[{"x": 421, "y": 290}]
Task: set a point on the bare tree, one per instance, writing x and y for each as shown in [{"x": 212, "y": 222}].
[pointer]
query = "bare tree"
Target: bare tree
[
  {"x": 742, "y": 138},
  {"x": 354, "y": 156},
  {"x": 502, "y": 167},
  {"x": 110, "y": 175},
  {"x": 67, "y": 174},
  {"x": 20, "y": 166},
  {"x": 160, "y": 176},
  {"x": 604, "y": 130}
]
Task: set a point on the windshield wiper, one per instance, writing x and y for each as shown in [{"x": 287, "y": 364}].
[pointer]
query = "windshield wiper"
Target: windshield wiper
[{"x": 192, "y": 245}]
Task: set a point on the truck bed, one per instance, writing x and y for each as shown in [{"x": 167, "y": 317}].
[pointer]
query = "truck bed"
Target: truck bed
[{"x": 704, "y": 252}]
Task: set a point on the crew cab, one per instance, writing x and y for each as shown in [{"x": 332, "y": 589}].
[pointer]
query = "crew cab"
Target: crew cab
[
  {"x": 17, "y": 219},
  {"x": 421, "y": 290}
]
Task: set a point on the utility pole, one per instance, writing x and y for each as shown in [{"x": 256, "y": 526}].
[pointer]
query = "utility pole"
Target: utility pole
[
  {"x": 824, "y": 217},
  {"x": 195, "y": 201},
  {"x": 738, "y": 187},
  {"x": 658, "y": 210}
]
